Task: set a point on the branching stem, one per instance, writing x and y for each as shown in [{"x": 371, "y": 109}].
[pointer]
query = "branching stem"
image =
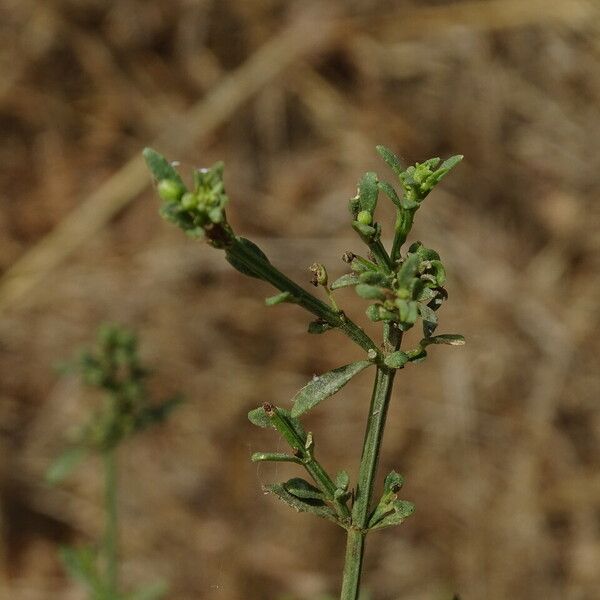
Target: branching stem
[
  {"x": 305, "y": 299},
  {"x": 355, "y": 545}
]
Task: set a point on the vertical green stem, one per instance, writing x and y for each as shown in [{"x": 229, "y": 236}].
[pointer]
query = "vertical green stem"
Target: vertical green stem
[
  {"x": 111, "y": 538},
  {"x": 380, "y": 399}
]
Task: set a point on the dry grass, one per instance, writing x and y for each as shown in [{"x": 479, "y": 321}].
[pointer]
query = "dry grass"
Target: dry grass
[{"x": 499, "y": 442}]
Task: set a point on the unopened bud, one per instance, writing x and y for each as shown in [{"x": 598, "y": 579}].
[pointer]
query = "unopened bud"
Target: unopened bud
[
  {"x": 319, "y": 274},
  {"x": 348, "y": 257}
]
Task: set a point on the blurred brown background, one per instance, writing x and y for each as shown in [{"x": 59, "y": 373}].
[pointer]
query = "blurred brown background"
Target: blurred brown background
[{"x": 499, "y": 441}]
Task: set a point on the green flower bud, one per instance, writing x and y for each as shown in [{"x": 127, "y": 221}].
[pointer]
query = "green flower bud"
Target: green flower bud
[
  {"x": 189, "y": 201},
  {"x": 170, "y": 190},
  {"x": 364, "y": 217}
]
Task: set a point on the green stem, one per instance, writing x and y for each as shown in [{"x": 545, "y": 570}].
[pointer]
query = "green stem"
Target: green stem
[
  {"x": 380, "y": 399},
  {"x": 355, "y": 547},
  {"x": 404, "y": 222},
  {"x": 110, "y": 542},
  {"x": 268, "y": 272},
  {"x": 381, "y": 256}
]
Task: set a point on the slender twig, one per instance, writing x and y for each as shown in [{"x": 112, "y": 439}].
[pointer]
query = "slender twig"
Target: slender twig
[
  {"x": 111, "y": 534},
  {"x": 306, "y": 456}
]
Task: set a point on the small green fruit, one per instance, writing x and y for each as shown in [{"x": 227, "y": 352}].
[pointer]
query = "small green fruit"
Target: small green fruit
[
  {"x": 189, "y": 201},
  {"x": 170, "y": 190},
  {"x": 364, "y": 217}
]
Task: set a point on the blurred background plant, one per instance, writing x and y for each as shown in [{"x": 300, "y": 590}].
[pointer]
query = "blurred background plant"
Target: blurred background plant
[
  {"x": 505, "y": 434},
  {"x": 113, "y": 367}
]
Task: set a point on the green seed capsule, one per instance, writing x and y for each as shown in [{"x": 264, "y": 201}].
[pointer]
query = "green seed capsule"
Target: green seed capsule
[
  {"x": 189, "y": 201},
  {"x": 169, "y": 190},
  {"x": 364, "y": 217}
]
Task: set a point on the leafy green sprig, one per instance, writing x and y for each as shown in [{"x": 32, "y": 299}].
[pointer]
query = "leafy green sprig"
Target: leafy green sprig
[
  {"x": 402, "y": 288},
  {"x": 113, "y": 367}
]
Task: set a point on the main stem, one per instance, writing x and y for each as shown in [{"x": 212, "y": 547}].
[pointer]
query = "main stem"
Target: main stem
[
  {"x": 355, "y": 545},
  {"x": 110, "y": 545}
]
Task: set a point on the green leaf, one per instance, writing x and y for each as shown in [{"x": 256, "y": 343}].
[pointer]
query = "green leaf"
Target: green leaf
[
  {"x": 279, "y": 298},
  {"x": 80, "y": 564},
  {"x": 439, "y": 272},
  {"x": 393, "y": 482},
  {"x": 238, "y": 264},
  {"x": 391, "y": 159},
  {"x": 396, "y": 360},
  {"x": 65, "y": 463},
  {"x": 319, "y": 326},
  {"x": 401, "y": 509},
  {"x": 342, "y": 480},
  {"x": 450, "y": 339},
  {"x": 302, "y": 489},
  {"x": 451, "y": 162},
  {"x": 373, "y": 278},
  {"x": 316, "y": 507},
  {"x": 366, "y": 231},
  {"x": 430, "y": 319},
  {"x": 408, "y": 271},
  {"x": 423, "y": 252},
  {"x": 160, "y": 167},
  {"x": 325, "y": 385},
  {"x": 274, "y": 457},
  {"x": 417, "y": 355},
  {"x": 369, "y": 292},
  {"x": 401, "y": 202},
  {"x": 259, "y": 417},
  {"x": 368, "y": 192},
  {"x": 345, "y": 281}
]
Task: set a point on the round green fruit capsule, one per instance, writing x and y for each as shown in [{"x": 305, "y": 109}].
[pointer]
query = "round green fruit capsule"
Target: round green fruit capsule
[
  {"x": 169, "y": 190},
  {"x": 364, "y": 217}
]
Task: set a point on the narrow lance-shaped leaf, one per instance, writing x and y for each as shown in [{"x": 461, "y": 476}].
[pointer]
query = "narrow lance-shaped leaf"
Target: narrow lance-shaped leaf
[
  {"x": 279, "y": 299},
  {"x": 401, "y": 202},
  {"x": 80, "y": 563},
  {"x": 391, "y": 159},
  {"x": 451, "y": 339},
  {"x": 430, "y": 319},
  {"x": 368, "y": 192},
  {"x": 316, "y": 507},
  {"x": 319, "y": 326},
  {"x": 238, "y": 264},
  {"x": 325, "y": 385},
  {"x": 274, "y": 457},
  {"x": 160, "y": 166},
  {"x": 408, "y": 270},
  {"x": 400, "y": 510},
  {"x": 303, "y": 489},
  {"x": 65, "y": 463},
  {"x": 345, "y": 281}
]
